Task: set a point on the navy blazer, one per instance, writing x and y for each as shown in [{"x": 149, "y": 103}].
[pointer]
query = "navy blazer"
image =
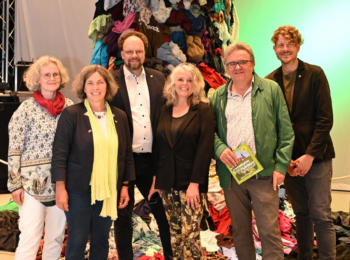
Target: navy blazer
[
  {"x": 188, "y": 158},
  {"x": 312, "y": 114},
  {"x": 73, "y": 149}
]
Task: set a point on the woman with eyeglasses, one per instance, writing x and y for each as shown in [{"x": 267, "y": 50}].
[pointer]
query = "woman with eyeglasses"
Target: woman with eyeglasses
[
  {"x": 31, "y": 134},
  {"x": 92, "y": 163},
  {"x": 185, "y": 140}
]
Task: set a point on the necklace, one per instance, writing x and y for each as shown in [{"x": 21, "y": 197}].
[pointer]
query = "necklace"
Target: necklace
[{"x": 100, "y": 114}]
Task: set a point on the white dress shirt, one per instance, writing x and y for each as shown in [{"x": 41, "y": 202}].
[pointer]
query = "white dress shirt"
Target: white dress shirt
[{"x": 140, "y": 110}]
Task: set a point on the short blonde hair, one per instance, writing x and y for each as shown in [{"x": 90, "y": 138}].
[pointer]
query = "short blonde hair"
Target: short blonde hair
[
  {"x": 236, "y": 47},
  {"x": 85, "y": 73},
  {"x": 289, "y": 32},
  {"x": 198, "y": 94},
  {"x": 32, "y": 74}
]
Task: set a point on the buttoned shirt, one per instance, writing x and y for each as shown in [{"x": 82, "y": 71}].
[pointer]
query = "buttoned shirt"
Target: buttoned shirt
[
  {"x": 140, "y": 110},
  {"x": 239, "y": 119}
]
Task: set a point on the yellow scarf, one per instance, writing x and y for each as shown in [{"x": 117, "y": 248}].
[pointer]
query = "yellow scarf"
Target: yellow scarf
[{"x": 105, "y": 168}]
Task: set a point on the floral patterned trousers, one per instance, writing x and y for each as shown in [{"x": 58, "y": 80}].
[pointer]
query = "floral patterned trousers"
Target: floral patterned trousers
[{"x": 184, "y": 224}]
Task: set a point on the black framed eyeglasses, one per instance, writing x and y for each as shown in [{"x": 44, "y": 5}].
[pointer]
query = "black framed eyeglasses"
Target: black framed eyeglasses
[{"x": 241, "y": 63}]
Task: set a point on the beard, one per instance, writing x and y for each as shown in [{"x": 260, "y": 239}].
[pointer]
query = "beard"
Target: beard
[{"x": 133, "y": 66}]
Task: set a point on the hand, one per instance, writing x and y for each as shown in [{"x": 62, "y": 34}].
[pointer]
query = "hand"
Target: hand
[
  {"x": 124, "y": 197},
  {"x": 61, "y": 196},
  {"x": 291, "y": 168},
  {"x": 278, "y": 178},
  {"x": 229, "y": 158},
  {"x": 304, "y": 164},
  {"x": 192, "y": 195},
  {"x": 153, "y": 190},
  {"x": 18, "y": 196}
]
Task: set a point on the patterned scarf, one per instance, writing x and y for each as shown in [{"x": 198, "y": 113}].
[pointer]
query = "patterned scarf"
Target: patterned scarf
[{"x": 105, "y": 168}]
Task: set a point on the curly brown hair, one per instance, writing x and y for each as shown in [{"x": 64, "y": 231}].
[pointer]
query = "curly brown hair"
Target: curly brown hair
[
  {"x": 289, "y": 32},
  {"x": 85, "y": 73},
  {"x": 129, "y": 33}
]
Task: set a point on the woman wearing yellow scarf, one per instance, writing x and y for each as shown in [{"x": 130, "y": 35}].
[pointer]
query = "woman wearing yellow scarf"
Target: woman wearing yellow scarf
[{"x": 92, "y": 163}]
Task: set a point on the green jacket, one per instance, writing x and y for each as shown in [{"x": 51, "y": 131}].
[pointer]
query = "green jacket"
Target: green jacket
[{"x": 274, "y": 137}]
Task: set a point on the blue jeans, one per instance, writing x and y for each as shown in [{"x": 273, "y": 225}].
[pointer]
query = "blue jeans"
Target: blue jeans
[
  {"x": 84, "y": 219},
  {"x": 311, "y": 201}
]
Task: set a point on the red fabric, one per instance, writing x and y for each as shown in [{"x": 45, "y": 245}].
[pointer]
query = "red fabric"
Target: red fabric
[
  {"x": 178, "y": 17},
  {"x": 53, "y": 107},
  {"x": 156, "y": 256},
  {"x": 167, "y": 38},
  {"x": 285, "y": 224},
  {"x": 222, "y": 220},
  {"x": 213, "y": 78},
  {"x": 219, "y": 50}
]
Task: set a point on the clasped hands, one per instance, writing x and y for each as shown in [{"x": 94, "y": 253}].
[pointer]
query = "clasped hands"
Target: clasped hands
[{"x": 301, "y": 166}]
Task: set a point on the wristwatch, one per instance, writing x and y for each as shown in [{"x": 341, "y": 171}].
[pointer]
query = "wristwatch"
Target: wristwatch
[{"x": 125, "y": 184}]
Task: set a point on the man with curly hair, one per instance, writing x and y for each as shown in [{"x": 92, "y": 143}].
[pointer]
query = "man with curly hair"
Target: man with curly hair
[{"x": 308, "y": 182}]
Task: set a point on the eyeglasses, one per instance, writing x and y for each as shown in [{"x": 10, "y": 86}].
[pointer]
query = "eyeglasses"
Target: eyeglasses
[
  {"x": 288, "y": 45},
  {"x": 241, "y": 63},
  {"x": 132, "y": 52},
  {"x": 47, "y": 76}
]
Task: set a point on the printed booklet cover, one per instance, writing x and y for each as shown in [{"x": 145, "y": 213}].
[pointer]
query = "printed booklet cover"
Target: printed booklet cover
[{"x": 248, "y": 164}]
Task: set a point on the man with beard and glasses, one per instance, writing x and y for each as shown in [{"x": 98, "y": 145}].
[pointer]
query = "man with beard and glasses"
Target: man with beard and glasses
[
  {"x": 140, "y": 96},
  {"x": 308, "y": 182}
]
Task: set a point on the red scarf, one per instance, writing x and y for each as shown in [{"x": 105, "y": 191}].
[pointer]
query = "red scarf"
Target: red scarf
[{"x": 53, "y": 107}]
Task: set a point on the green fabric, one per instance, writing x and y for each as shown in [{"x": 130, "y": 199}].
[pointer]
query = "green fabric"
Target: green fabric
[
  {"x": 219, "y": 6},
  {"x": 274, "y": 136},
  {"x": 12, "y": 206},
  {"x": 95, "y": 26}
]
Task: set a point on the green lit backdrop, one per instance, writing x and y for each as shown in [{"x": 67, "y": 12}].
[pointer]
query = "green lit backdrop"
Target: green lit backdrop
[{"x": 324, "y": 26}]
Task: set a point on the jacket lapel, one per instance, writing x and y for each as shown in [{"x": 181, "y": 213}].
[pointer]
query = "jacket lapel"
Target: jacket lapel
[
  {"x": 167, "y": 125},
  {"x": 152, "y": 93},
  {"x": 123, "y": 92},
  {"x": 187, "y": 119},
  {"x": 298, "y": 83}
]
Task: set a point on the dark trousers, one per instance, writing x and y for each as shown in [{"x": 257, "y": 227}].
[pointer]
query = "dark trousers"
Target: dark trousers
[
  {"x": 311, "y": 201},
  {"x": 257, "y": 195},
  {"x": 84, "y": 219},
  {"x": 144, "y": 168}
]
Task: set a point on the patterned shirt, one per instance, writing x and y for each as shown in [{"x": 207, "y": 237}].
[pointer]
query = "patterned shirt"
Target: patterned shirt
[
  {"x": 239, "y": 119},
  {"x": 31, "y": 135}
]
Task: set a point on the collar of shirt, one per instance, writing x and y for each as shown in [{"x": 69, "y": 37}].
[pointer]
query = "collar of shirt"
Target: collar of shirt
[
  {"x": 234, "y": 94},
  {"x": 130, "y": 75}
]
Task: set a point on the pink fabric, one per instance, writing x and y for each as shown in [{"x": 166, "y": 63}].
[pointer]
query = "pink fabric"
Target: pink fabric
[
  {"x": 120, "y": 27},
  {"x": 222, "y": 220},
  {"x": 285, "y": 225},
  {"x": 156, "y": 256}
]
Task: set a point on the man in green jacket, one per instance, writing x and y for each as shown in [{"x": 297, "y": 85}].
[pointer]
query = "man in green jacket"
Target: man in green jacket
[{"x": 252, "y": 110}]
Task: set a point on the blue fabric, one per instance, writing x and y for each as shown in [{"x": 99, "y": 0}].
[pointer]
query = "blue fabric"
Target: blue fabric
[
  {"x": 179, "y": 38},
  {"x": 196, "y": 23},
  {"x": 100, "y": 55},
  {"x": 164, "y": 53},
  {"x": 84, "y": 219}
]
